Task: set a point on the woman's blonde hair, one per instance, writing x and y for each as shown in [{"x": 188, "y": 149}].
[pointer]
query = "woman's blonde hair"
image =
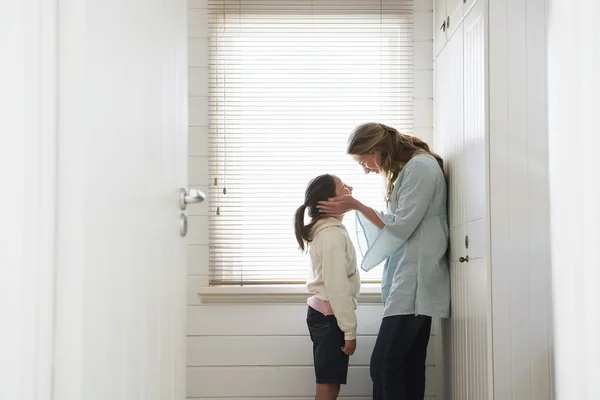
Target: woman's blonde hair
[{"x": 395, "y": 149}]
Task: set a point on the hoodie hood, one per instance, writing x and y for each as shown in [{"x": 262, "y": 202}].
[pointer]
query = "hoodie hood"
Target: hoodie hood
[{"x": 325, "y": 223}]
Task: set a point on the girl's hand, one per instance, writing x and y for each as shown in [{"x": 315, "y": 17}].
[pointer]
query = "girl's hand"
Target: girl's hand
[
  {"x": 338, "y": 205},
  {"x": 349, "y": 347}
]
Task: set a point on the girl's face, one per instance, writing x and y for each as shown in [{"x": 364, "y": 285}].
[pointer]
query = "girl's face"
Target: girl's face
[
  {"x": 341, "y": 189},
  {"x": 370, "y": 163}
]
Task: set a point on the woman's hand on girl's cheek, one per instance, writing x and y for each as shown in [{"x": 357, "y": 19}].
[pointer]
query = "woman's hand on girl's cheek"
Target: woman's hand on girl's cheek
[{"x": 337, "y": 205}]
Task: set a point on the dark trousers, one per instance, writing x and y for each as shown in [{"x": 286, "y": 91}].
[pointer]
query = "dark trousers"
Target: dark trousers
[{"x": 398, "y": 360}]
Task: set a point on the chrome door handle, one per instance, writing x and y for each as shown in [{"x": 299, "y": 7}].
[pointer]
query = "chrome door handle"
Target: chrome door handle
[{"x": 188, "y": 197}]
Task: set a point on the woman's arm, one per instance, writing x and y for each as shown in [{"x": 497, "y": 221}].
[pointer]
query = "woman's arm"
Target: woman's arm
[
  {"x": 369, "y": 214},
  {"x": 413, "y": 199}
]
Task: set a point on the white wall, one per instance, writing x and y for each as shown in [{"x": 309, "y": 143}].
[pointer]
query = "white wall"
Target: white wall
[
  {"x": 262, "y": 349},
  {"x": 573, "y": 87},
  {"x": 27, "y": 205},
  {"x": 521, "y": 273}
]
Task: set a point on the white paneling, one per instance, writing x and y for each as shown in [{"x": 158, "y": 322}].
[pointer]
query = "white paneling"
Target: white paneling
[
  {"x": 423, "y": 5},
  {"x": 423, "y": 25},
  {"x": 423, "y": 55},
  {"x": 262, "y": 382},
  {"x": 198, "y": 52},
  {"x": 197, "y": 232},
  {"x": 452, "y": 120},
  {"x": 197, "y": 259},
  {"x": 454, "y": 10},
  {"x": 467, "y": 5},
  {"x": 423, "y": 85},
  {"x": 519, "y": 201},
  {"x": 283, "y": 351},
  {"x": 197, "y": 23},
  {"x": 197, "y": 81},
  {"x": 198, "y": 113},
  {"x": 193, "y": 4},
  {"x": 499, "y": 196},
  {"x": 461, "y": 132},
  {"x": 198, "y": 171},
  {"x": 423, "y": 112},
  {"x": 540, "y": 297},
  {"x": 426, "y": 134},
  {"x": 439, "y": 25},
  {"x": 478, "y": 305},
  {"x": 238, "y": 320},
  {"x": 198, "y": 141}
]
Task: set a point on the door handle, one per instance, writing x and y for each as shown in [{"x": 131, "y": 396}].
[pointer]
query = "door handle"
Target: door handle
[
  {"x": 464, "y": 259},
  {"x": 188, "y": 197}
]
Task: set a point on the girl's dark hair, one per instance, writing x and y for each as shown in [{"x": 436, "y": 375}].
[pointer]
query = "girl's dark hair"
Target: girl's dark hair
[{"x": 322, "y": 188}]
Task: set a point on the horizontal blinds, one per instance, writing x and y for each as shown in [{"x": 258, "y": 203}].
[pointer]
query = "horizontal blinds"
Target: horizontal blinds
[{"x": 288, "y": 81}]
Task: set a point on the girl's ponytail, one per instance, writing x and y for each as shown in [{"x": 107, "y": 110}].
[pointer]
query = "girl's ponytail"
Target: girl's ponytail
[{"x": 300, "y": 230}]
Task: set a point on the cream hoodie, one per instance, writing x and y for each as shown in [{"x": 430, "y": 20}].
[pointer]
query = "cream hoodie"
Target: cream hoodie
[{"x": 334, "y": 276}]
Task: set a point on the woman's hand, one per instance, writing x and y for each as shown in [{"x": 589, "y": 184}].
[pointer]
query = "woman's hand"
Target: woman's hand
[{"x": 338, "y": 205}]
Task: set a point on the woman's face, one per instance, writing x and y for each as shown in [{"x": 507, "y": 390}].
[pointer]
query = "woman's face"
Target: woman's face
[
  {"x": 341, "y": 189},
  {"x": 370, "y": 163}
]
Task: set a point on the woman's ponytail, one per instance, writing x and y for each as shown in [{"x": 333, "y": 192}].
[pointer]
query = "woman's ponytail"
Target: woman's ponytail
[
  {"x": 425, "y": 148},
  {"x": 300, "y": 230}
]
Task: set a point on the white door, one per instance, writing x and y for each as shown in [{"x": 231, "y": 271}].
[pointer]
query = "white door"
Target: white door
[
  {"x": 452, "y": 105},
  {"x": 463, "y": 105},
  {"x": 120, "y": 288},
  {"x": 477, "y": 305},
  {"x": 439, "y": 19},
  {"x": 454, "y": 9}
]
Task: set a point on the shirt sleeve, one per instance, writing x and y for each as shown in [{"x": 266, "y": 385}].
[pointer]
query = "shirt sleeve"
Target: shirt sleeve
[
  {"x": 337, "y": 284},
  {"x": 414, "y": 197}
]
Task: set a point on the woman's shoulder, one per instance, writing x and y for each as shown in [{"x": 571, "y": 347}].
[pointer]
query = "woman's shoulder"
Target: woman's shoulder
[
  {"x": 423, "y": 164},
  {"x": 421, "y": 160}
]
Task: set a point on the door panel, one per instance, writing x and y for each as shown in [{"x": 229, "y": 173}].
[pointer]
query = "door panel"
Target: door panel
[
  {"x": 454, "y": 9},
  {"x": 439, "y": 19},
  {"x": 123, "y": 131},
  {"x": 466, "y": 334},
  {"x": 478, "y": 307}
]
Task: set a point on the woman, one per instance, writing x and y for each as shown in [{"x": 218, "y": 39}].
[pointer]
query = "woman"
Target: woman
[{"x": 412, "y": 239}]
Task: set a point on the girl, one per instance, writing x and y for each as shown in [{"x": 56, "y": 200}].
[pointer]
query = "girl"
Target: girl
[
  {"x": 334, "y": 282},
  {"x": 412, "y": 238}
]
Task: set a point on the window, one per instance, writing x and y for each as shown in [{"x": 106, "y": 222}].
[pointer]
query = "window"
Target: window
[{"x": 289, "y": 80}]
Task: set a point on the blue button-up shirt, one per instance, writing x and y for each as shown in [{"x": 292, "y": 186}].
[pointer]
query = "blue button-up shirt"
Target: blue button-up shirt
[{"x": 413, "y": 243}]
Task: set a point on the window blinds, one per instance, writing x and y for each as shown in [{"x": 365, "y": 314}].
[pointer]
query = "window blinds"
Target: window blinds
[{"x": 288, "y": 82}]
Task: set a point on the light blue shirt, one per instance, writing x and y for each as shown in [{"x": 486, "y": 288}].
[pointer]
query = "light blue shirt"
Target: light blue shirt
[{"x": 413, "y": 243}]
